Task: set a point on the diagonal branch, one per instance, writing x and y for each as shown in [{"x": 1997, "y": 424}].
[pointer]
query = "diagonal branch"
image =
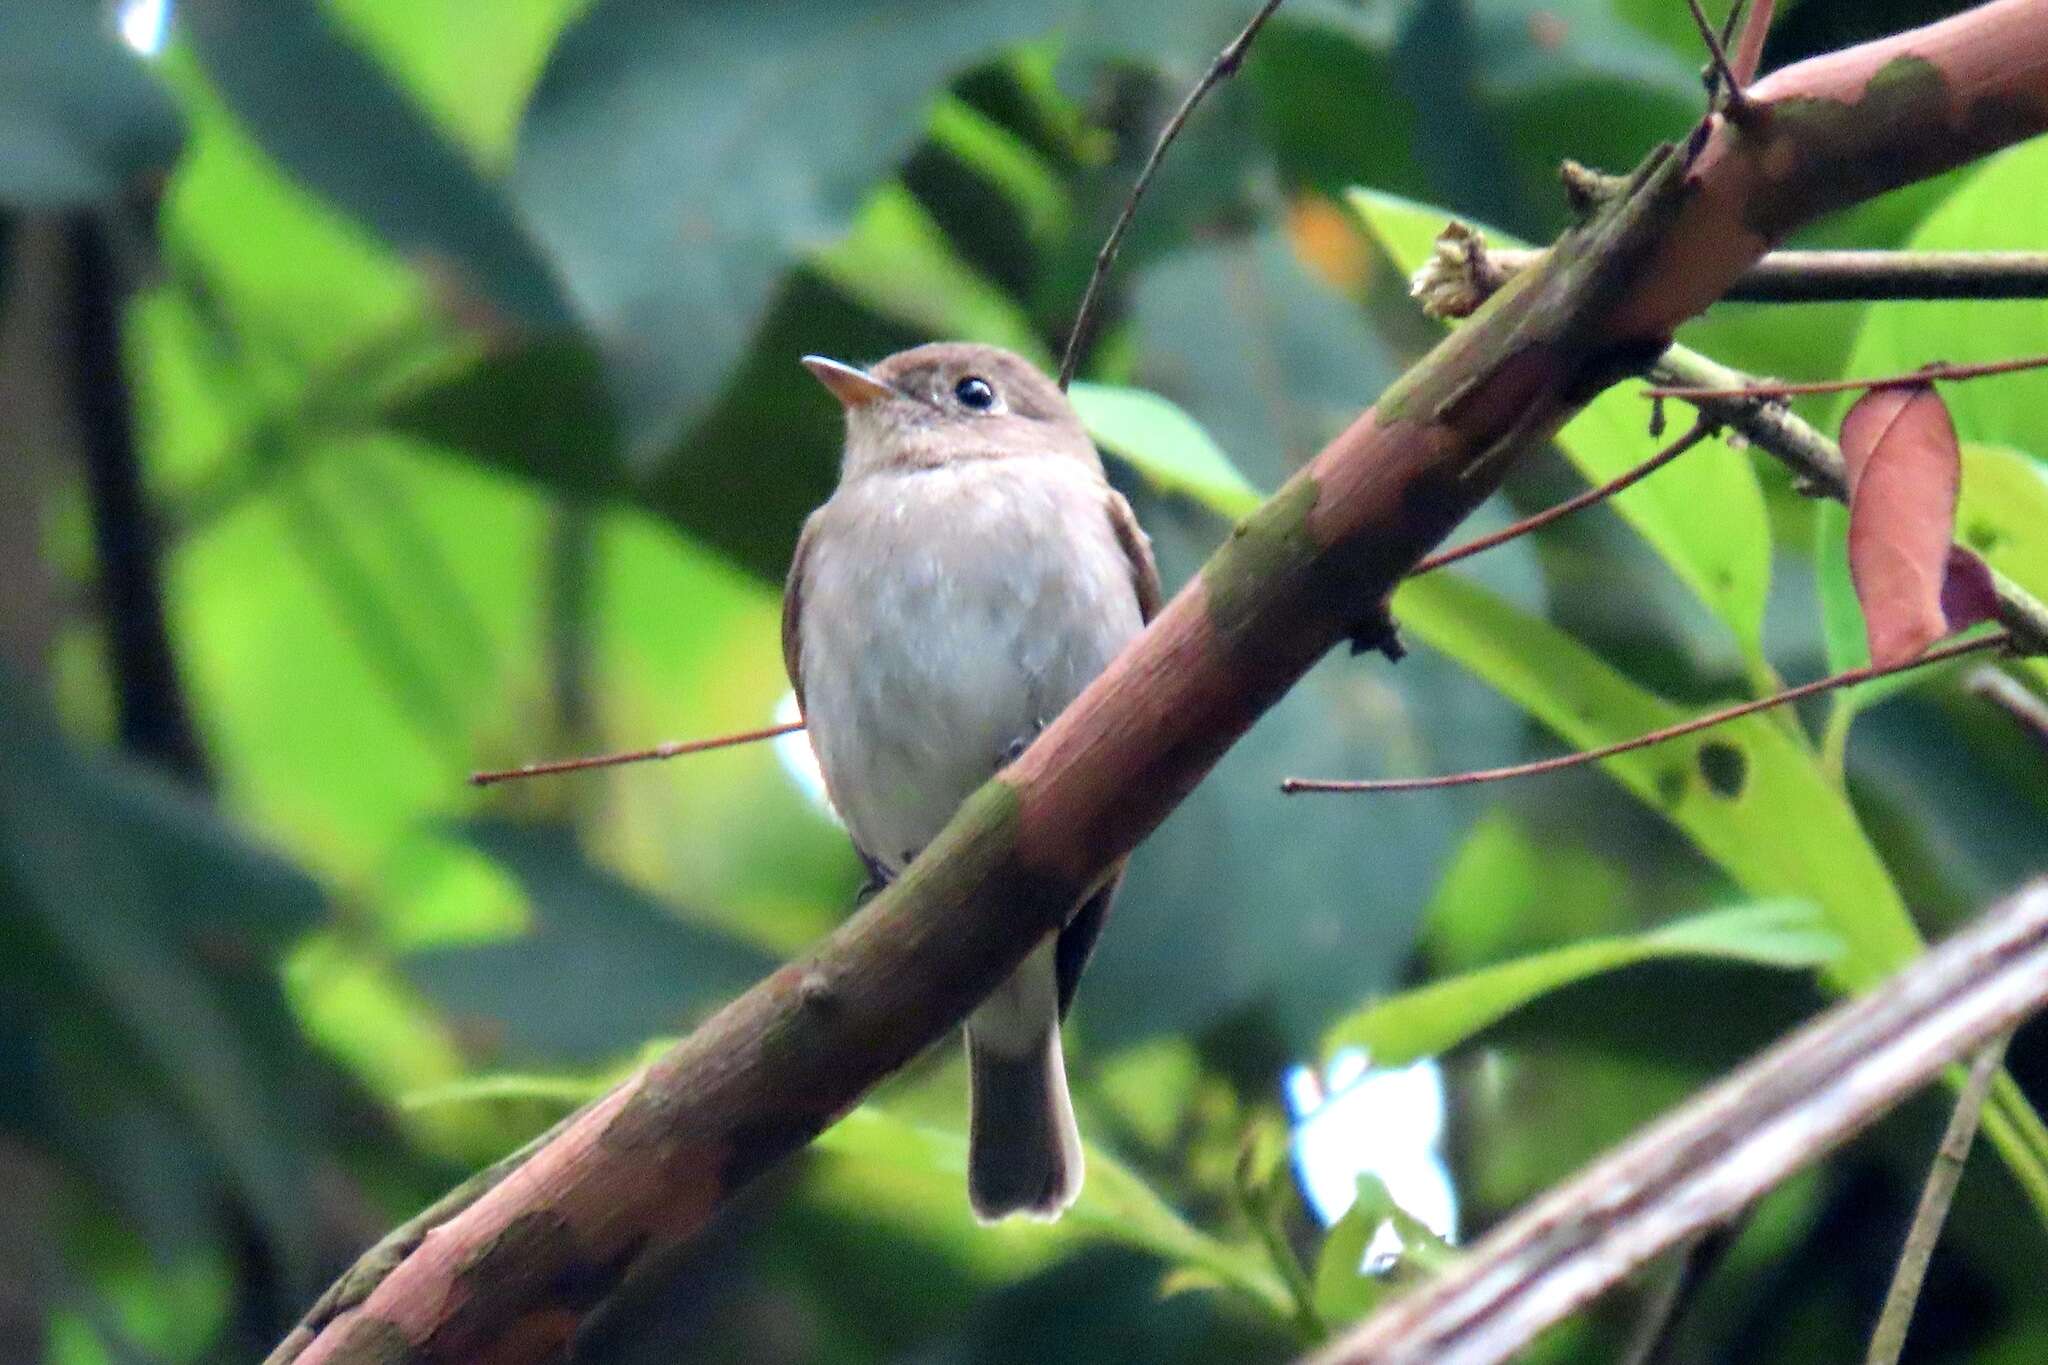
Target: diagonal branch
[
  {"x": 512, "y": 1277},
  {"x": 1720, "y": 1151}
]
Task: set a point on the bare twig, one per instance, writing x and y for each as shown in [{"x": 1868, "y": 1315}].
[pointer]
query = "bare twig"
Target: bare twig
[
  {"x": 675, "y": 748},
  {"x": 1817, "y": 460},
  {"x": 1462, "y": 274},
  {"x": 1225, "y": 66},
  {"x": 1779, "y": 1113},
  {"x": 1888, "y": 1340},
  {"x": 1291, "y": 785},
  {"x": 1771, "y": 388},
  {"x": 1700, "y": 431},
  {"x": 1666, "y": 1307},
  {"x": 2028, "y": 711},
  {"x": 1723, "y": 74},
  {"x": 1840, "y": 276}
]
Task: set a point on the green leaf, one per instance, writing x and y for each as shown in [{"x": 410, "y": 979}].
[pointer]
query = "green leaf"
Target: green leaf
[
  {"x": 1116, "y": 1205},
  {"x": 676, "y": 225},
  {"x": 151, "y": 929},
  {"x": 2002, "y": 509},
  {"x": 897, "y": 262},
  {"x": 634, "y": 967},
  {"x": 331, "y": 116},
  {"x": 1436, "y": 1017},
  {"x": 1841, "y": 615},
  {"x": 1978, "y": 216},
  {"x": 1747, "y": 793},
  {"x": 1165, "y": 445},
  {"x": 1342, "y": 1293},
  {"x": 1508, "y": 891},
  {"x": 82, "y": 119},
  {"x": 1703, "y": 513}
]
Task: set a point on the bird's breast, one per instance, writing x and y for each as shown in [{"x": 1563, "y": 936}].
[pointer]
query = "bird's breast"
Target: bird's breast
[{"x": 947, "y": 615}]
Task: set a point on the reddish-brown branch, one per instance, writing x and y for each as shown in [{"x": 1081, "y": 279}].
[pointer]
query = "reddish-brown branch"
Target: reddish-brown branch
[
  {"x": 1536, "y": 522},
  {"x": 1850, "y": 678},
  {"x": 1749, "y": 52},
  {"x": 511, "y": 1277},
  {"x": 1925, "y": 374},
  {"x": 675, "y": 748}
]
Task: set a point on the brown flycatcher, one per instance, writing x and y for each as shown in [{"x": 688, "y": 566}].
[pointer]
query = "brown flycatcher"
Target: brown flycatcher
[{"x": 972, "y": 572}]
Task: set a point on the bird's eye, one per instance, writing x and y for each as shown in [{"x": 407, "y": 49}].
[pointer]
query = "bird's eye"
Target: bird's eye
[{"x": 974, "y": 392}]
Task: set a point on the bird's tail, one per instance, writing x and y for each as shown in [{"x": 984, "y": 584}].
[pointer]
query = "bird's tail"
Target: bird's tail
[{"x": 1023, "y": 1150}]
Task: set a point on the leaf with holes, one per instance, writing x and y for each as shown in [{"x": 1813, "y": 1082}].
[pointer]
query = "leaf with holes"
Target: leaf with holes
[{"x": 1748, "y": 794}]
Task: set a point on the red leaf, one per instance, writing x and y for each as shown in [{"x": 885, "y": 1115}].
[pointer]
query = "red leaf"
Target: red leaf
[
  {"x": 1968, "y": 596},
  {"x": 1903, "y": 466}
]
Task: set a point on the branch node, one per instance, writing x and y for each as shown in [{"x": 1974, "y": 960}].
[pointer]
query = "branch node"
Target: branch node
[
  {"x": 1586, "y": 189},
  {"x": 1379, "y": 632}
]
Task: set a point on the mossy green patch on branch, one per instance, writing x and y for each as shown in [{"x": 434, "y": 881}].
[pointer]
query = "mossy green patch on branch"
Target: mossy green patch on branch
[
  {"x": 1818, "y": 155},
  {"x": 1265, "y": 555}
]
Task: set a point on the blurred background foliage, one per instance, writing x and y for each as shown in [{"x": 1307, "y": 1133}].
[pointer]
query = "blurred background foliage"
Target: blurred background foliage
[{"x": 392, "y": 388}]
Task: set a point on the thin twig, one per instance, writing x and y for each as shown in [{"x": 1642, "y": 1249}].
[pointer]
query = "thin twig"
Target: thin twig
[
  {"x": 1923, "y": 375},
  {"x": 1850, "y": 276},
  {"x": 1665, "y": 1308},
  {"x": 1701, "y": 429},
  {"x": 1225, "y": 66},
  {"x": 1728, "y": 25},
  {"x": 1749, "y": 53},
  {"x": 1724, "y": 74},
  {"x": 1817, "y": 460},
  {"x": 672, "y": 749},
  {"x": 2028, "y": 711},
  {"x": 1888, "y": 1340},
  {"x": 1850, "y": 678}
]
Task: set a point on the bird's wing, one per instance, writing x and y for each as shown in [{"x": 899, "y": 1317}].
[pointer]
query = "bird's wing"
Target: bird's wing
[
  {"x": 1137, "y": 547},
  {"x": 792, "y": 611}
]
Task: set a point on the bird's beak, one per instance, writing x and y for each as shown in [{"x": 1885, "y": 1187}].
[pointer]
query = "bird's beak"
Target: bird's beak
[{"x": 851, "y": 385}]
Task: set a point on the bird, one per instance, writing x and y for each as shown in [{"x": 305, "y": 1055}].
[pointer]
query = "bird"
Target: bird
[{"x": 971, "y": 573}]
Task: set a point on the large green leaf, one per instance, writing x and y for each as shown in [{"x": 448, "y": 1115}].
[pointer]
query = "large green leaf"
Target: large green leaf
[
  {"x": 1703, "y": 514},
  {"x": 678, "y": 160},
  {"x": 1163, "y": 443},
  {"x": 896, "y": 261},
  {"x": 1980, "y": 215},
  {"x": 81, "y": 119},
  {"x": 332, "y": 116},
  {"x": 1748, "y": 794},
  {"x": 929, "y": 1164},
  {"x": 633, "y": 967},
  {"x": 149, "y": 928},
  {"x": 1434, "y": 1018}
]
